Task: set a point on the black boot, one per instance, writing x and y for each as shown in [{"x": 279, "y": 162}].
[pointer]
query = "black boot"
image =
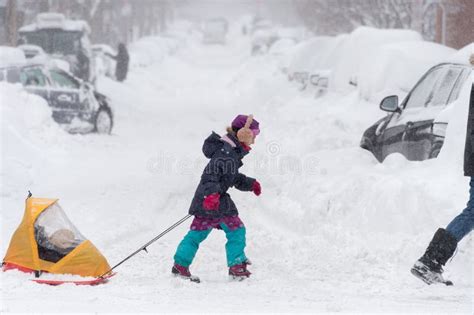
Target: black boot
[{"x": 429, "y": 267}]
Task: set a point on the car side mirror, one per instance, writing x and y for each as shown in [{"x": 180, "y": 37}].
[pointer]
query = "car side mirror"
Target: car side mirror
[{"x": 390, "y": 104}]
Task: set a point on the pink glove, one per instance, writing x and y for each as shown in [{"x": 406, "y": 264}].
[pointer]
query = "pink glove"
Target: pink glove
[
  {"x": 211, "y": 202},
  {"x": 256, "y": 188}
]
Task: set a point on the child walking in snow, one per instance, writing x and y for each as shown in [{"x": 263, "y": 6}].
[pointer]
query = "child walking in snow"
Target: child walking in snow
[{"x": 213, "y": 207}]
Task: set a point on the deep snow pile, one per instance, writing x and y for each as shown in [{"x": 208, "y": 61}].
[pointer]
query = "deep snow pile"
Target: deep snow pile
[
  {"x": 334, "y": 230},
  {"x": 358, "y": 50},
  {"x": 26, "y": 127},
  {"x": 375, "y": 62},
  {"x": 149, "y": 50},
  {"x": 396, "y": 68}
]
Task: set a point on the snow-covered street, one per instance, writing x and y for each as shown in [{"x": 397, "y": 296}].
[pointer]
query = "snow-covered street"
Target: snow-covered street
[{"x": 333, "y": 231}]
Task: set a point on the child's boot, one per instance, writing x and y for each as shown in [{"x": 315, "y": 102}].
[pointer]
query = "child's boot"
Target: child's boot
[
  {"x": 183, "y": 272},
  {"x": 239, "y": 272}
]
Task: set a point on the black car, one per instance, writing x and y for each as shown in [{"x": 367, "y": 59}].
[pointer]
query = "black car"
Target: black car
[
  {"x": 411, "y": 128},
  {"x": 75, "y": 103}
]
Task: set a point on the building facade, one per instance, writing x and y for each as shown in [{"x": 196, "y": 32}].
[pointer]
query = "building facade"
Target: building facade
[{"x": 449, "y": 22}]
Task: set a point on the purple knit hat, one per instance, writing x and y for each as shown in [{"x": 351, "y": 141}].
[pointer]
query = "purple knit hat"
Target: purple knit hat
[{"x": 240, "y": 121}]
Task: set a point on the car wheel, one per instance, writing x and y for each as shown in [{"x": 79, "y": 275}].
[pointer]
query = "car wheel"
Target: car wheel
[
  {"x": 103, "y": 121},
  {"x": 435, "y": 149}
]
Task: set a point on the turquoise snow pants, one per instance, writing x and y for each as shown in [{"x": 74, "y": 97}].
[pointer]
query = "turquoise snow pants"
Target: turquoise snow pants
[{"x": 234, "y": 247}]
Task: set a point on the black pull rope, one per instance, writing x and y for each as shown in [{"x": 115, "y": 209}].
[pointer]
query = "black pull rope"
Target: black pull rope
[{"x": 147, "y": 244}]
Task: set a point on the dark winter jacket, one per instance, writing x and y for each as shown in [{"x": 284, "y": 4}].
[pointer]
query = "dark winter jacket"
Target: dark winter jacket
[
  {"x": 468, "y": 151},
  {"x": 122, "y": 59},
  {"x": 220, "y": 174},
  {"x": 82, "y": 69}
]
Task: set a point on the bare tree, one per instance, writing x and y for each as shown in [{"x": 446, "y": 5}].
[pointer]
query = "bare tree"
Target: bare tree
[
  {"x": 43, "y": 6},
  {"x": 111, "y": 21},
  {"x": 11, "y": 19},
  {"x": 339, "y": 16}
]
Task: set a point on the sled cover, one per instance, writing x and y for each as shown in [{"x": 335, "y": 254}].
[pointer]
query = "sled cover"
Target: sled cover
[{"x": 47, "y": 241}]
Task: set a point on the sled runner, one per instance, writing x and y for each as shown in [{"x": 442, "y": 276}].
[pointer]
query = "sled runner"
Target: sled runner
[{"x": 95, "y": 281}]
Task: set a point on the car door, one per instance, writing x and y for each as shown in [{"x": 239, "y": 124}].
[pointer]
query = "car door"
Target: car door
[
  {"x": 418, "y": 137},
  {"x": 65, "y": 91},
  {"x": 35, "y": 81},
  {"x": 411, "y": 115},
  {"x": 65, "y": 96}
]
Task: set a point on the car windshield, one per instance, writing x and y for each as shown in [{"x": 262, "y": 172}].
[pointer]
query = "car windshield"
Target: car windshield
[
  {"x": 54, "y": 41},
  {"x": 33, "y": 77},
  {"x": 422, "y": 95}
]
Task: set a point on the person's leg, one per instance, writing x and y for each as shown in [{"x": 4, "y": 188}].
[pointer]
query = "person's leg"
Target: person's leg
[
  {"x": 461, "y": 225},
  {"x": 443, "y": 245},
  {"x": 235, "y": 245},
  {"x": 188, "y": 247}
]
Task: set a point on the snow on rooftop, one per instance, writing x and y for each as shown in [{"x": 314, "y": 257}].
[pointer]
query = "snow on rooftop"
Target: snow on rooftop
[
  {"x": 104, "y": 48},
  {"x": 395, "y": 68},
  {"x": 358, "y": 50},
  {"x": 306, "y": 53},
  {"x": 11, "y": 56},
  {"x": 52, "y": 20}
]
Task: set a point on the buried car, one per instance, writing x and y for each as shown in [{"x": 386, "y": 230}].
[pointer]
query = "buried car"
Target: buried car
[
  {"x": 75, "y": 104},
  {"x": 61, "y": 38},
  {"x": 412, "y": 128},
  {"x": 215, "y": 31}
]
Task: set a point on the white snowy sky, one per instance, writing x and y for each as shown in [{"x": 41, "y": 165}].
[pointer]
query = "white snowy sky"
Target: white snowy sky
[{"x": 281, "y": 11}]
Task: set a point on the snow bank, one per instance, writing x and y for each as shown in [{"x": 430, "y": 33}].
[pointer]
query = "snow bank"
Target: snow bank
[
  {"x": 149, "y": 50},
  {"x": 27, "y": 112},
  {"x": 375, "y": 60},
  {"x": 296, "y": 33},
  {"x": 358, "y": 51},
  {"x": 395, "y": 68},
  {"x": 306, "y": 54},
  {"x": 27, "y": 131},
  {"x": 282, "y": 52},
  {"x": 282, "y": 46}
]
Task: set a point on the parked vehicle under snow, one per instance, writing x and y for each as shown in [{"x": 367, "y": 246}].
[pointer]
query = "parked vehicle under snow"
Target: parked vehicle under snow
[
  {"x": 61, "y": 38},
  {"x": 76, "y": 105},
  {"x": 416, "y": 128}
]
